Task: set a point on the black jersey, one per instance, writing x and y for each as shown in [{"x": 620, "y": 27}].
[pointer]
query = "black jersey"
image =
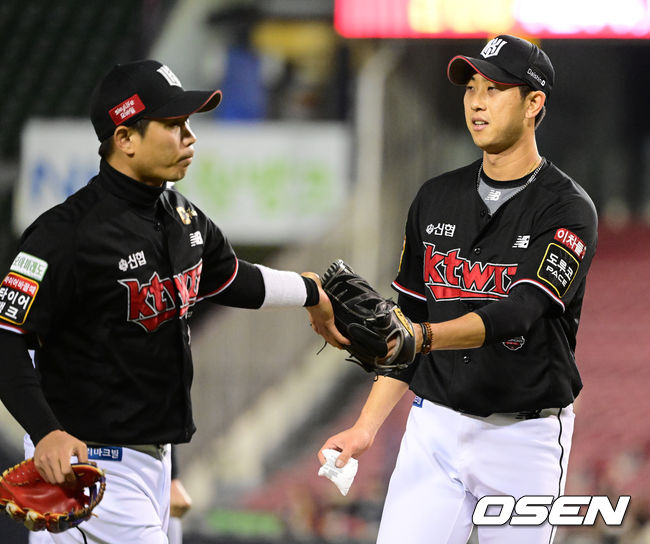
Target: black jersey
[
  {"x": 457, "y": 258},
  {"x": 105, "y": 281}
]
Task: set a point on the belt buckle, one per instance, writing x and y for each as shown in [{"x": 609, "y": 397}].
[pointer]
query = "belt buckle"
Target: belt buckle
[{"x": 528, "y": 414}]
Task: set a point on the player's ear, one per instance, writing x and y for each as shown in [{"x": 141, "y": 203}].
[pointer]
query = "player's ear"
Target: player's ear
[
  {"x": 123, "y": 139},
  {"x": 534, "y": 103}
]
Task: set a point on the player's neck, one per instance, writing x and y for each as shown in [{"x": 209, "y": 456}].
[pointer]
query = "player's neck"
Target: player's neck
[
  {"x": 123, "y": 165},
  {"x": 513, "y": 163}
]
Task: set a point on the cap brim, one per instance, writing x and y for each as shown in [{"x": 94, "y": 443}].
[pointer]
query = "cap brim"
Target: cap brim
[
  {"x": 187, "y": 103},
  {"x": 460, "y": 70}
]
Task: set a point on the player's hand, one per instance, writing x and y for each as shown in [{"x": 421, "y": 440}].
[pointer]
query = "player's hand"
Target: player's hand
[
  {"x": 391, "y": 347},
  {"x": 52, "y": 456},
  {"x": 180, "y": 500},
  {"x": 351, "y": 443},
  {"x": 321, "y": 317}
]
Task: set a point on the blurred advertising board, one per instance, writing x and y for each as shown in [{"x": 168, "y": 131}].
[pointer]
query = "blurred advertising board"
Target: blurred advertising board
[
  {"x": 623, "y": 19},
  {"x": 262, "y": 183}
]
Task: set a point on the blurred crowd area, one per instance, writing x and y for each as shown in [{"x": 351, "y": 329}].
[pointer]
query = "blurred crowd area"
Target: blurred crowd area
[{"x": 282, "y": 60}]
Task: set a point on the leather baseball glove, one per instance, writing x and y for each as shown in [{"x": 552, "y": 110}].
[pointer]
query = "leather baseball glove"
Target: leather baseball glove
[
  {"x": 27, "y": 498},
  {"x": 368, "y": 320}
]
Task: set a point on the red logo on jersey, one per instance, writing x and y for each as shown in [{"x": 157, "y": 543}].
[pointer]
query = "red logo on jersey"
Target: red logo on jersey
[
  {"x": 571, "y": 241},
  {"x": 153, "y": 303},
  {"x": 450, "y": 277}
]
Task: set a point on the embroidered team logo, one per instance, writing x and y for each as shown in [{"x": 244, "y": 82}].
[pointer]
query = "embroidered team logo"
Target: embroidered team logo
[
  {"x": 515, "y": 344},
  {"x": 152, "y": 303},
  {"x": 451, "y": 277},
  {"x": 493, "y": 47},
  {"x": 186, "y": 214}
]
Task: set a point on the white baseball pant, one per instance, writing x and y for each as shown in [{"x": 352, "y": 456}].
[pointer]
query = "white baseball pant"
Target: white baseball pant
[
  {"x": 448, "y": 460},
  {"x": 135, "y": 507}
]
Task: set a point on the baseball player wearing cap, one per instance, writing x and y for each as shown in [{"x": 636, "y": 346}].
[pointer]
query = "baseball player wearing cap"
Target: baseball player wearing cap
[
  {"x": 493, "y": 268},
  {"x": 102, "y": 289}
]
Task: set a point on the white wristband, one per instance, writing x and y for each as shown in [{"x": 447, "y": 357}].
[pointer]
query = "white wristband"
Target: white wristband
[{"x": 282, "y": 288}]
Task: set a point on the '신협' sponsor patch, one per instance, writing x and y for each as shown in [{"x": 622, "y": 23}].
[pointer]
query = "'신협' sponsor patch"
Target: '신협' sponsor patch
[
  {"x": 558, "y": 269},
  {"x": 16, "y": 296}
]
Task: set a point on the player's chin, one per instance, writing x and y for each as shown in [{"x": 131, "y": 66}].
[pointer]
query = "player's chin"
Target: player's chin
[
  {"x": 177, "y": 173},
  {"x": 489, "y": 146}
]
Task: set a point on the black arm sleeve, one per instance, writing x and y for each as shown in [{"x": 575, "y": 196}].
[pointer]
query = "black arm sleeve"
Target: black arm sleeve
[
  {"x": 246, "y": 291},
  {"x": 20, "y": 388},
  {"x": 513, "y": 316}
]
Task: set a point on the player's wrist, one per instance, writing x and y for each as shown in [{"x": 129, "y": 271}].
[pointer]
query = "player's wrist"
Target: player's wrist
[{"x": 426, "y": 337}]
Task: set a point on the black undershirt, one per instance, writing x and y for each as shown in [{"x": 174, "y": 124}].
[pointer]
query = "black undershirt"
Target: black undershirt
[{"x": 20, "y": 388}]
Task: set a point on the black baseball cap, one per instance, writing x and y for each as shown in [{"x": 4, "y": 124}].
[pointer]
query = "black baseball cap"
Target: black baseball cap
[
  {"x": 143, "y": 89},
  {"x": 508, "y": 60}
]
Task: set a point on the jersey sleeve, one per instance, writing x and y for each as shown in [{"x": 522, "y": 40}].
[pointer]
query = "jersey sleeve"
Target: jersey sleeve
[
  {"x": 409, "y": 275},
  {"x": 39, "y": 287},
  {"x": 561, "y": 250},
  {"x": 220, "y": 264}
]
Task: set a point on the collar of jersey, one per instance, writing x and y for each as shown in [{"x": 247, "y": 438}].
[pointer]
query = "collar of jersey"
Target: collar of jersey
[{"x": 127, "y": 188}]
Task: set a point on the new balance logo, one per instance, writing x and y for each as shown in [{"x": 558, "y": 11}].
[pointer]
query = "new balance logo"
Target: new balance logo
[
  {"x": 522, "y": 242},
  {"x": 493, "y": 195},
  {"x": 196, "y": 239},
  {"x": 493, "y": 47}
]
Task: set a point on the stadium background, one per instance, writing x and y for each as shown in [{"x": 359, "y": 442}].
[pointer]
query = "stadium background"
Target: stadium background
[{"x": 265, "y": 401}]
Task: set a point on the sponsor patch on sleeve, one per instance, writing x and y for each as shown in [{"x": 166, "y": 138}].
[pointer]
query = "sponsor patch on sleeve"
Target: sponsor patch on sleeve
[
  {"x": 572, "y": 242},
  {"x": 558, "y": 269},
  {"x": 17, "y": 293},
  {"x": 29, "y": 266}
]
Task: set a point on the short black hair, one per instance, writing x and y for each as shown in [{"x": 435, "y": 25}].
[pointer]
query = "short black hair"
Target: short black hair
[
  {"x": 106, "y": 147},
  {"x": 524, "y": 90}
]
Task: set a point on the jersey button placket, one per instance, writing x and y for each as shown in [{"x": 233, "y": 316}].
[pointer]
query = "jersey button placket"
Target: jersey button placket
[{"x": 477, "y": 251}]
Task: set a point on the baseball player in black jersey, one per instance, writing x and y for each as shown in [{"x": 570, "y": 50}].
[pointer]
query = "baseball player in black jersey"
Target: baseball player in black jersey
[
  {"x": 493, "y": 268},
  {"x": 102, "y": 288}
]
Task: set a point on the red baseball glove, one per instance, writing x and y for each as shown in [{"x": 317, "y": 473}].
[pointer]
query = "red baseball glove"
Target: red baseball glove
[{"x": 27, "y": 498}]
